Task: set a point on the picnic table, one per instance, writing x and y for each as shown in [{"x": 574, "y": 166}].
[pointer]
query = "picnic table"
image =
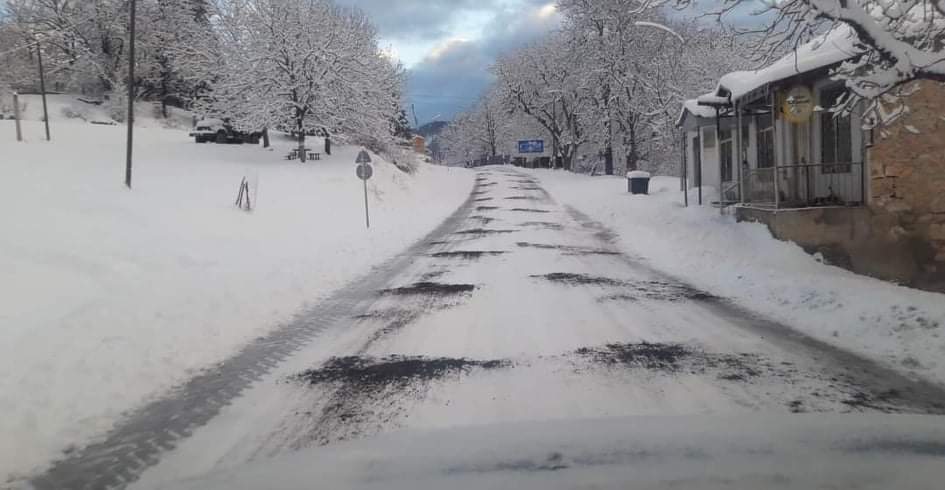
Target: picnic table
[{"x": 312, "y": 155}]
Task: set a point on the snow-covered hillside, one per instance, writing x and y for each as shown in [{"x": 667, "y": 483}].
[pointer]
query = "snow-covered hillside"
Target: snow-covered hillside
[
  {"x": 110, "y": 296},
  {"x": 70, "y": 108}
]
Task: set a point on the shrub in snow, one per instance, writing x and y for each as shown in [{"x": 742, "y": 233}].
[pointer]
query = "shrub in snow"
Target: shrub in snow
[{"x": 72, "y": 113}]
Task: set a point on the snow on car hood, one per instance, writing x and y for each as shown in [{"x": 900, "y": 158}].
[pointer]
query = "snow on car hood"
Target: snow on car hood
[
  {"x": 751, "y": 452},
  {"x": 210, "y": 122}
]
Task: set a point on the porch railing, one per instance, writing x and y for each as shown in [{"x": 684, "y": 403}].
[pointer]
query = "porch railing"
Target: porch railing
[{"x": 806, "y": 185}]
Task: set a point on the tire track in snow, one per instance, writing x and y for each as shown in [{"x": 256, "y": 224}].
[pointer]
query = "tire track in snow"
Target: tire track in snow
[
  {"x": 880, "y": 386},
  {"x": 135, "y": 443}
]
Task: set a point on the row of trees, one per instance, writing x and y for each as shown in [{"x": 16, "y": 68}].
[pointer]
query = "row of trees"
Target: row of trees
[
  {"x": 305, "y": 66},
  {"x": 606, "y": 88},
  {"x": 609, "y": 84}
]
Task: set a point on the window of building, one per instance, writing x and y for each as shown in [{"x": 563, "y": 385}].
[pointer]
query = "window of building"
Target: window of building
[
  {"x": 708, "y": 138},
  {"x": 836, "y": 134},
  {"x": 726, "y": 154},
  {"x": 765, "y": 142}
]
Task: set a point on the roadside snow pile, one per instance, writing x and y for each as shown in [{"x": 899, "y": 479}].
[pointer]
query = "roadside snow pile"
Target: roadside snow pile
[
  {"x": 111, "y": 296},
  {"x": 903, "y": 327}
]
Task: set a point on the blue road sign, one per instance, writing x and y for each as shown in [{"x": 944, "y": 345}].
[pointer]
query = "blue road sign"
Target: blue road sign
[{"x": 531, "y": 146}]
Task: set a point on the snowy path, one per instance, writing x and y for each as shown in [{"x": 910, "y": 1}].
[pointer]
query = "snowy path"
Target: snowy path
[{"x": 516, "y": 308}]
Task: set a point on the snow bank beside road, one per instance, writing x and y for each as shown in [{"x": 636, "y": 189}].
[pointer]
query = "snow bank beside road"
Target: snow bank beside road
[
  {"x": 900, "y": 326},
  {"x": 110, "y": 297}
]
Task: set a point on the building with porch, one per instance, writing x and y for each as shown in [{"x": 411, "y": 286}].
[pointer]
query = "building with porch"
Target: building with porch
[{"x": 771, "y": 147}]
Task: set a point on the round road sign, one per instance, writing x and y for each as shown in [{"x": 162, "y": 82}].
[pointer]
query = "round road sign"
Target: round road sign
[{"x": 365, "y": 171}]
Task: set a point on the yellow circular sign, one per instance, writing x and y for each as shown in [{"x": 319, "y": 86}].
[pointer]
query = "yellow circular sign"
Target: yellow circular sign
[{"x": 798, "y": 104}]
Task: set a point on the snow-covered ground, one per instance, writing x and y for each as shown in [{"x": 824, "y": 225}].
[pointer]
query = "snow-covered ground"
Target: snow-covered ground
[
  {"x": 747, "y": 452},
  {"x": 902, "y": 327},
  {"x": 110, "y": 296}
]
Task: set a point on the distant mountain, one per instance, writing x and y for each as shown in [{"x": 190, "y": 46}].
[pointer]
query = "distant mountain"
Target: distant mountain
[{"x": 431, "y": 129}]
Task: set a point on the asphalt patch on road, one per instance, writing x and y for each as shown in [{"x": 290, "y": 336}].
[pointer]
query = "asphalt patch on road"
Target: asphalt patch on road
[
  {"x": 368, "y": 373},
  {"x": 527, "y": 188},
  {"x": 434, "y": 274},
  {"x": 482, "y": 199},
  {"x": 430, "y": 289},
  {"x": 467, "y": 254},
  {"x": 484, "y": 219},
  {"x": 479, "y": 193},
  {"x": 631, "y": 290},
  {"x": 393, "y": 319},
  {"x": 530, "y": 210},
  {"x": 484, "y": 231},
  {"x": 547, "y": 225},
  {"x": 367, "y": 392},
  {"x": 673, "y": 358},
  {"x": 486, "y": 208},
  {"x": 575, "y": 279},
  {"x": 523, "y": 198},
  {"x": 882, "y": 402},
  {"x": 567, "y": 249},
  {"x": 664, "y": 291}
]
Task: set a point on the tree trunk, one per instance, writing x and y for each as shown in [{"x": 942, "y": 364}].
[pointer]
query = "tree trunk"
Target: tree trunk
[
  {"x": 608, "y": 161},
  {"x": 265, "y": 136},
  {"x": 301, "y": 141},
  {"x": 568, "y": 156},
  {"x": 633, "y": 157}
]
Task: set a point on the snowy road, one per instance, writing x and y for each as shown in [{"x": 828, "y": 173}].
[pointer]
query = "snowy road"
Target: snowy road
[{"x": 514, "y": 309}]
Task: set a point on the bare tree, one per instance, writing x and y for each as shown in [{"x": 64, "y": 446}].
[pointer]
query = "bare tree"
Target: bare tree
[
  {"x": 306, "y": 66},
  {"x": 900, "y": 40}
]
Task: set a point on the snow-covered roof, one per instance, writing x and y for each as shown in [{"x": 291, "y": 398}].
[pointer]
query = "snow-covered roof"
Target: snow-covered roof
[
  {"x": 836, "y": 45},
  {"x": 692, "y": 106},
  {"x": 711, "y": 99}
]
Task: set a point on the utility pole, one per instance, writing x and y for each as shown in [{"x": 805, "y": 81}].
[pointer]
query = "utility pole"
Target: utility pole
[
  {"x": 16, "y": 116},
  {"x": 131, "y": 93},
  {"x": 554, "y": 135},
  {"x": 609, "y": 150},
  {"x": 42, "y": 86}
]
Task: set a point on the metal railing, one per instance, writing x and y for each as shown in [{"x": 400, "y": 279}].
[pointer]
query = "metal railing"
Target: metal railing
[{"x": 806, "y": 185}]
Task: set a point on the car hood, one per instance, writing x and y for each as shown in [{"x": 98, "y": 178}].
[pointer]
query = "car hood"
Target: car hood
[{"x": 754, "y": 452}]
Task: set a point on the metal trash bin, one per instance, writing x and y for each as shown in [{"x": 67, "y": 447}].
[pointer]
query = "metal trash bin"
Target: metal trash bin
[{"x": 638, "y": 182}]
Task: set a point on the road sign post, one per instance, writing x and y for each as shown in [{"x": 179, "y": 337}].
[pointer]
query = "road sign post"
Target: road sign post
[
  {"x": 42, "y": 87},
  {"x": 129, "y": 145},
  {"x": 364, "y": 172},
  {"x": 16, "y": 116}
]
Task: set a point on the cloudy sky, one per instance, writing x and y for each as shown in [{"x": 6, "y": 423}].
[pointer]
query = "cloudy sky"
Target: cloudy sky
[{"x": 448, "y": 45}]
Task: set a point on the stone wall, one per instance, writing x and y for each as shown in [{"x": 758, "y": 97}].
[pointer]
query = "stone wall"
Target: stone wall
[
  {"x": 854, "y": 238},
  {"x": 907, "y": 185}
]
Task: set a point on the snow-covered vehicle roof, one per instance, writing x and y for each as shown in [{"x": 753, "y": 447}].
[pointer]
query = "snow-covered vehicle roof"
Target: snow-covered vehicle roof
[
  {"x": 210, "y": 122},
  {"x": 834, "y": 46},
  {"x": 697, "y": 452}
]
